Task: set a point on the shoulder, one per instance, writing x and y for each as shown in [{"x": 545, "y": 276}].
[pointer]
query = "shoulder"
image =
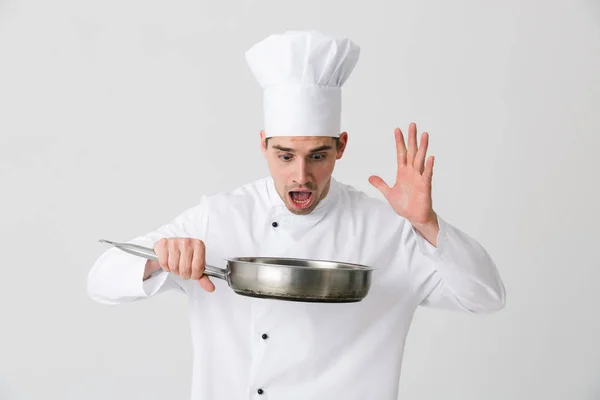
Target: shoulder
[
  {"x": 372, "y": 216},
  {"x": 249, "y": 195},
  {"x": 359, "y": 200},
  {"x": 373, "y": 211}
]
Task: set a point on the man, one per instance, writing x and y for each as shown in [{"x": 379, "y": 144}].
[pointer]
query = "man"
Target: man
[{"x": 259, "y": 348}]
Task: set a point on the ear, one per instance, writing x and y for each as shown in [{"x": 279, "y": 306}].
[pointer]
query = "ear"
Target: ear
[
  {"x": 263, "y": 145},
  {"x": 343, "y": 142}
]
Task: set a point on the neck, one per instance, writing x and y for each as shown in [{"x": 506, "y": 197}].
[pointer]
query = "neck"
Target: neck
[{"x": 326, "y": 190}]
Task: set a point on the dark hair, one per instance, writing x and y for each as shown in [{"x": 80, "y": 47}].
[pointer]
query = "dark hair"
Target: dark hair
[{"x": 336, "y": 139}]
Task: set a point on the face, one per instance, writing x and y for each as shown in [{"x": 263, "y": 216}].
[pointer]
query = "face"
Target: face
[{"x": 301, "y": 167}]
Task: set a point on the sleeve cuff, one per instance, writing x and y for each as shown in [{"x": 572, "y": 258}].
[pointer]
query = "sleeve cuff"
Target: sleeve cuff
[
  {"x": 153, "y": 284},
  {"x": 426, "y": 248},
  {"x": 123, "y": 276},
  {"x": 150, "y": 286}
]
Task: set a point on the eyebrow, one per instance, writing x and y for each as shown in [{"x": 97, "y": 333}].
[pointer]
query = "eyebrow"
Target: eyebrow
[{"x": 290, "y": 150}]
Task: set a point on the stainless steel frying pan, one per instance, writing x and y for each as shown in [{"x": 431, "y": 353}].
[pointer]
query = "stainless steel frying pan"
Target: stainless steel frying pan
[{"x": 290, "y": 279}]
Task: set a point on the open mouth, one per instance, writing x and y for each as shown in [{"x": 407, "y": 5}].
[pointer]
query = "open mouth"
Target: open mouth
[{"x": 301, "y": 199}]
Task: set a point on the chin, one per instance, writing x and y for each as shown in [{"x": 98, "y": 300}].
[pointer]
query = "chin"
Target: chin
[{"x": 300, "y": 212}]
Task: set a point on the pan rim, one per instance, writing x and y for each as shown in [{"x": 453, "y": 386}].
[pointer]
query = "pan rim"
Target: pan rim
[{"x": 345, "y": 265}]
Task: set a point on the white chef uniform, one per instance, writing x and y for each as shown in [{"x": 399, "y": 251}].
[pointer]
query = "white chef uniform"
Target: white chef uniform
[{"x": 251, "y": 348}]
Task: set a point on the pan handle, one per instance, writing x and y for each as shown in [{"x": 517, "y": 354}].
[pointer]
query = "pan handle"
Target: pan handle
[{"x": 149, "y": 254}]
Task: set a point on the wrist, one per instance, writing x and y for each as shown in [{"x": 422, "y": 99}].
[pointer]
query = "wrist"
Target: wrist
[
  {"x": 428, "y": 229},
  {"x": 151, "y": 267}
]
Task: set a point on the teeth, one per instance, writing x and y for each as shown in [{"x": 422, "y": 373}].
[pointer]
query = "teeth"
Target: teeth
[{"x": 300, "y": 201}]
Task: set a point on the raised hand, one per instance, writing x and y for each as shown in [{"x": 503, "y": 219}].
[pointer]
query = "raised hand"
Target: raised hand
[{"x": 410, "y": 196}]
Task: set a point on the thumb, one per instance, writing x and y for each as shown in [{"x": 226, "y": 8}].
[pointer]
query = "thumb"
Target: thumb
[
  {"x": 206, "y": 284},
  {"x": 379, "y": 184}
]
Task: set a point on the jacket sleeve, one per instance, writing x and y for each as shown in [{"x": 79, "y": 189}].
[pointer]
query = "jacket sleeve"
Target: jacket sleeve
[
  {"x": 117, "y": 277},
  {"x": 458, "y": 274}
]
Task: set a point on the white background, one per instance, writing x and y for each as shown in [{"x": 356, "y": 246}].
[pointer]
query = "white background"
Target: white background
[{"x": 117, "y": 115}]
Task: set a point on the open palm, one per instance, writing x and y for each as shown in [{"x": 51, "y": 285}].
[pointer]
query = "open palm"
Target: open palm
[{"x": 410, "y": 197}]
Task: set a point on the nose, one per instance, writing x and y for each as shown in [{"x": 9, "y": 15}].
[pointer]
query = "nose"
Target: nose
[{"x": 301, "y": 173}]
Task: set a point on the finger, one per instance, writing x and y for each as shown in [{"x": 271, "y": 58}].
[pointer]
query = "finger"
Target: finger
[
  {"x": 412, "y": 144},
  {"x": 161, "y": 251},
  {"x": 419, "y": 163},
  {"x": 428, "y": 173},
  {"x": 198, "y": 261},
  {"x": 400, "y": 147},
  {"x": 206, "y": 284},
  {"x": 185, "y": 260},
  {"x": 380, "y": 185},
  {"x": 173, "y": 258}
]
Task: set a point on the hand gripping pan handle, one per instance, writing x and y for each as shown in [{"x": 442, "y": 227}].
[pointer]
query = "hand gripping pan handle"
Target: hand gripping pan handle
[{"x": 149, "y": 254}]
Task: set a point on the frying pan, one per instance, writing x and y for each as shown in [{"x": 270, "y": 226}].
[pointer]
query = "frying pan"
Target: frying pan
[{"x": 291, "y": 279}]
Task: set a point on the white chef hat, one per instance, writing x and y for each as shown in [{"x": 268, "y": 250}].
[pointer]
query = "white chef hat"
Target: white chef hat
[{"x": 301, "y": 73}]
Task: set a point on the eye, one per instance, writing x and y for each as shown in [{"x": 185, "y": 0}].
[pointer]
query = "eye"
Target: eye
[
  {"x": 319, "y": 156},
  {"x": 285, "y": 157}
]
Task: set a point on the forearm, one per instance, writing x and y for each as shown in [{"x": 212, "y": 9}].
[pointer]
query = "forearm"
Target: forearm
[
  {"x": 458, "y": 273},
  {"x": 119, "y": 277}
]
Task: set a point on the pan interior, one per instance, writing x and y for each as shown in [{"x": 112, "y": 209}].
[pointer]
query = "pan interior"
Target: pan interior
[{"x": 300, "y": 262}]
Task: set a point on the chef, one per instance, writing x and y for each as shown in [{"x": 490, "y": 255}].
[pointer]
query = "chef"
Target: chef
[{"x": 253, "y": 348}]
